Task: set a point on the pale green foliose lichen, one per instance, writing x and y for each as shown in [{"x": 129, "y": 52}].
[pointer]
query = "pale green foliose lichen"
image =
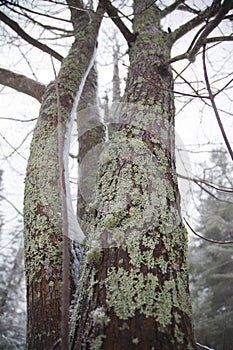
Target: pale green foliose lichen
[
  {"x": 99, "y": 317},
  {"x": 96, "y": 344}
]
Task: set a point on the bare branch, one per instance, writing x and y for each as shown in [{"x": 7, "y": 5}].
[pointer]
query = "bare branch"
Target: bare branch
[
  {"x": 211, "y": 96},
  {"x": 206, "y": 239},
  {"x": 194, "y": 22},
  {"x": 11, "y": 204},
  {"x": 171, "y": 8},
  {"x": 113, "y": 14},
  {"x": 14, "y": 149},
  {"x": 209, "y": 184},
  {"x": 187, "y": 8},
  {"x": 45, "y": 26},
  {"x": 60, "y": 19},
  {"x": 22, "y": 83},
  {"x": 14, "y": 26},
  {"x": 224, "y": 9},
  {"x": 219, "y": 39}
]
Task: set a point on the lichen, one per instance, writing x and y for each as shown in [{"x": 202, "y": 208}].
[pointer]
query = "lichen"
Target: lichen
[
  {"x": 135, "y": 341},
  {"x": 94, "y": 255},
  {"x": 99, "y": 317},
  {"x": 96, "y": 344}
]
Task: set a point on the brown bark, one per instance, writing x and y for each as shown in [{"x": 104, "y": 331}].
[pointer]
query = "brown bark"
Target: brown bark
[
  {"x": 134, "y": 284},
  {"x": 22, "y": 84},
  {"x": 42, "y": 203}
]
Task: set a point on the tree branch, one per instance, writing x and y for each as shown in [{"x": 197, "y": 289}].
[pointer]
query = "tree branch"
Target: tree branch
[
  {"x": 194, "y": 22},
  {"x": 211, "y": 96},
  {"x": 219, "y": 39},
  {"x": 171, "y": 8},
  {"x": 113, "y": 14},
  {"x": 22, "y": 84},
  {"x": 12, "y": 204},
  {"x": 224, "y": 9},
  {"x": 14, "y": 26},
  {"x": 206, "y": 239}
]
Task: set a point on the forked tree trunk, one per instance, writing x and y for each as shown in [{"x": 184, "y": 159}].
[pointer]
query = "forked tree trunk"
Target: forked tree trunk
[
  {"x": 42, "y": 204},
  {"x": 134, "y": 283}
]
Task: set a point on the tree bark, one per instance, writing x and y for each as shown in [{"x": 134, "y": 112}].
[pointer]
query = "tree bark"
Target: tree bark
[
  {"x": 22, "y": 84},
  {"x": 42, "y": 203},
  {"x": 134, "y": 283}
]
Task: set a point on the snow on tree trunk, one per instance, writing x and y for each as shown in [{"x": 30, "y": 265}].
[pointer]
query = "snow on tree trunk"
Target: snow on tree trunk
[{"x": 134, "y": 284}]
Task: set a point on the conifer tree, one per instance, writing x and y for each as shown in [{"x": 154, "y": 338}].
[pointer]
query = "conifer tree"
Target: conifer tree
[{"x": 211, "y": 263}]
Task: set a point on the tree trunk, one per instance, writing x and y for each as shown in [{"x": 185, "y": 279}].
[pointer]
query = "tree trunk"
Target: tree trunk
[
  {"x": 134, "y": 283},
  {"x": 42, "y": 204}
]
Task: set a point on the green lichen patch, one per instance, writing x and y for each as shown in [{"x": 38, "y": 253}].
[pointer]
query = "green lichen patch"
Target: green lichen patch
[
  {"x": 100, "y": 318},
  {"x": 96, "y": 344}
]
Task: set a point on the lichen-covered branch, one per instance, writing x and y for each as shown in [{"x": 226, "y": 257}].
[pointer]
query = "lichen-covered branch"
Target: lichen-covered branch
[{"x": 21, "y": 83}]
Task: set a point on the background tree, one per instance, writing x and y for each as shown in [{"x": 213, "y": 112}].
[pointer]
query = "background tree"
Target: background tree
[
  {"x": 161, "y": 266},
  {"x": 211, "y": 263}
]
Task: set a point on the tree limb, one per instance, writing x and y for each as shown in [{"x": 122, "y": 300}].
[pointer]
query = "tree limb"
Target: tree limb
[
  {"x": 194, "y": 22},
  {"x": 171, "y": 8},
  {"x": 219, "y": 39},
  {"x": 14, "y": 26},
  {"x": 224, "y": 9},
  {"x": 211, "y": 96},
  {"x": 113, "y": 14},
  {"x": 22, "y": 84}
]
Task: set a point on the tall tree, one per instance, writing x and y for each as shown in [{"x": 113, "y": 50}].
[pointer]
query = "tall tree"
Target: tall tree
[
  {"x": 45, "y": 185},
  {"x": 211, "y": 263},
  {"x": 133, "y": 291}
]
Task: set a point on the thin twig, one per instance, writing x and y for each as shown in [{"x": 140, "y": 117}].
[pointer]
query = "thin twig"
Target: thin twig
[
  {"x": 13, "y": 206},
  {"x": 14, "y": 26},
  {"x": 168, "y": 90},
  {"x": 206, "y": 239},
  {"x": 211, "y": 96}
]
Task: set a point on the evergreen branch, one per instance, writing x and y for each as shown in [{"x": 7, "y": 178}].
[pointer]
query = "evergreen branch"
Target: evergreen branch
[
  {"x": 206, "y": 239},
  {"x": 211, "y": 96},
  {"x": 21, "y": 83},
  {"x": 113, "y": 14},
  {"x": 16, "y": 28}
]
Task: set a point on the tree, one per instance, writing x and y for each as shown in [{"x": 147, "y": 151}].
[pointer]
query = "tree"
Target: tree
[
  {"x": 133, "y": 291},
  {"x": 211, "y": 263}
]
